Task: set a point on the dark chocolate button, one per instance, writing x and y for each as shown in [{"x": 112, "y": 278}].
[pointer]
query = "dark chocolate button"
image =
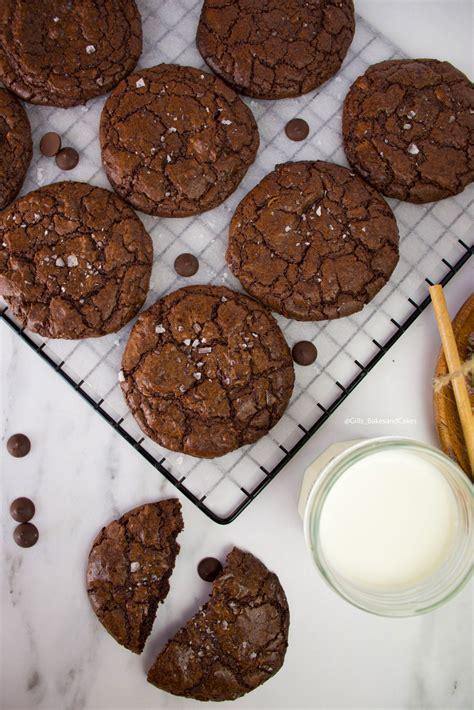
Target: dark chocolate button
[
  {"x": 297, "y": 129},
  {"x": 304, "y": 352},
  {"x": 50, "y": 144},
  {"x": 26, "y": 535},
  {"x": 22, "y": 510},
  {"x": 186, "y": 265},
  {"x": 209, "y": 569},
  {"x": 18, "y": 445},
  {"x": 67, "y": 158}
]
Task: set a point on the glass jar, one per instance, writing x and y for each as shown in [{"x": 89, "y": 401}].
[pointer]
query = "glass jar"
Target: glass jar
[{"x": 426, "y": 593}]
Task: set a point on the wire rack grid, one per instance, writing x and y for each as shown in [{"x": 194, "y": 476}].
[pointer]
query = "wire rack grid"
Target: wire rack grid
[{"x": 434, "y": 246}]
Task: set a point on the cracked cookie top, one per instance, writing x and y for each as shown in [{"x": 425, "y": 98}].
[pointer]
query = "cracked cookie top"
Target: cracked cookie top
[
  {"x": 408, "y": 128},
  {"x": 277, "y": 48},
  {"x": 176, "y": 141},
  {"x": 236, "y": 642},
  {"x": 75, "y": 261},
  {"x": 130, "y": 563},
  {"x": 312, "y": 241},
  {"x": 64, "y": 52},
  {"x": 206, "y": 370},
  {"x": 15, "y": 146}
]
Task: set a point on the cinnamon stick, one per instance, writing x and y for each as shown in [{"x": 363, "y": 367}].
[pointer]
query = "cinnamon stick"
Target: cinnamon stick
[{"x": 458, "y": 381}]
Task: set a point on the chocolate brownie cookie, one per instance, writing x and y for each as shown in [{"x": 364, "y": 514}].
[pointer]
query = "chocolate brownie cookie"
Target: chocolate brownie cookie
[
  {"x": 408, "y": 129},
  {"x": 313, "y": 241},
  {"x": 129, "y": 567},
  {"x": 277, "y": 48},
  {"x": 75, "y": 261},
  {"x": 15, "y": 147},
  {"x": 176, "y": 141},
  {"x": 236, "y": 642},
  {"x": 64, "y": 52},
  {"x": 206, "y": 370}
]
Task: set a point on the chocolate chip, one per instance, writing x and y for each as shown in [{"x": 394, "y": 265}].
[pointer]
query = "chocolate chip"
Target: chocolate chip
[
  {"x": 18, "y": 445},
  {"x": 22, "y": 510},
  {"x": 297, "y": 129},
  {"x": 304, "y": 352},
  {"x": 67, "y": 158},
  {"x": 50, "y": 144},
  {"x": 186, "y": 265},
  {"x": 26, "y": 535},
  {"x": 209, "y": 569}
]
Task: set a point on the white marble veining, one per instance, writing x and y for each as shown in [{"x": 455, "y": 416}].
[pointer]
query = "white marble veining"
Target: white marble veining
[{"x": 54, "y": 655}]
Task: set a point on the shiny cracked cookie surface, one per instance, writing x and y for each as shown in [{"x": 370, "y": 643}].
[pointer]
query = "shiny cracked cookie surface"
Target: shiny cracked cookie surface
[
  {"x": 75, "y": 261},
  {"x": 128, "y": 571},
  {"x": 313, "y": 241},
  {"x": 276, "y": 48},
  {"x": 15, "y": 146},
  {"x": 176, "y": 141},
  {"x": 408, "y": 128},
  {"x": 62, "y": 53},
  {"x": 236, "y": 642},
  {"x": 206, "y": 370}
]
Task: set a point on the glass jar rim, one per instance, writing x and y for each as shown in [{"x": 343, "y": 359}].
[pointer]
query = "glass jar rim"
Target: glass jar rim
[{"x": 430, "y": 592}]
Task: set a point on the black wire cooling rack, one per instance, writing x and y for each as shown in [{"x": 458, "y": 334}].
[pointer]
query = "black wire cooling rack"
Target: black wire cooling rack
[
  {"x": 434, "y": 246},
  {"x": 307, "y": 433}
]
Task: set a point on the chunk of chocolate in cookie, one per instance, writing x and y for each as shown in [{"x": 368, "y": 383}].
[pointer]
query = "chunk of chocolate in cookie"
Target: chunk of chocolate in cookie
[
  {"x": 75, "y": 261},
  {"x": 276, "y": 48},
  {"x": 206, "y": 370},
  {"x": 59, "y": 53},
  {"x": 130, "y": 564},
  {"x": 176, "y": 141},
  {"x": 408, "y": 128},
  {"x": 313, "y": 241},
  {"x": 236, "y": 642}
]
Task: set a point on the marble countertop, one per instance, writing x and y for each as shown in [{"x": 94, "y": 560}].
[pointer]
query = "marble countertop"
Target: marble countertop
[{"x": 54, "y": 653}]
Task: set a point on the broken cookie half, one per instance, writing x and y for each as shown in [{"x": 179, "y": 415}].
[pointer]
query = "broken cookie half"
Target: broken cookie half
[
  {"x": 235, "y": 642},
  {"x": 129, "y": 567}
]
